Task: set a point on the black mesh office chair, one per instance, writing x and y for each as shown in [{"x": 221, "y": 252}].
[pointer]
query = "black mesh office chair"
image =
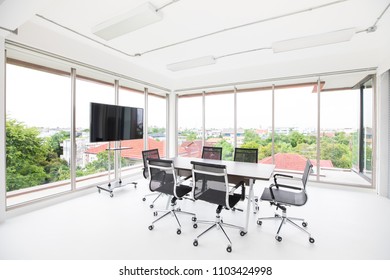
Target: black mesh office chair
[
  {"x": 247, "y": 155},
  {"x": 149, "y": 154},
  {"x": 211, "y": 185},
  {"x": 281, "y": 195},
  {"x": 212, "y": 153},
  {"x": 163, "y": 180}
]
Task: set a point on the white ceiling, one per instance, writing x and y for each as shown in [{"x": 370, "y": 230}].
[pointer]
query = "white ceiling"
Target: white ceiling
[{"x": 188, "y": 19}]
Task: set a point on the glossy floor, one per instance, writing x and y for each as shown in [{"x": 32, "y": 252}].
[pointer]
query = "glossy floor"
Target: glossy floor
[{"x": 347, "y": 223}]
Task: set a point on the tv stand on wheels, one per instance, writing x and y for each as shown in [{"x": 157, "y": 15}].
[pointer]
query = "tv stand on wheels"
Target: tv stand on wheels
[{"x": 115, "y": 184}]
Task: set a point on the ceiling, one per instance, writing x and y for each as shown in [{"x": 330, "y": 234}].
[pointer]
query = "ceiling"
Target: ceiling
[{"x": 216, "y": 23}]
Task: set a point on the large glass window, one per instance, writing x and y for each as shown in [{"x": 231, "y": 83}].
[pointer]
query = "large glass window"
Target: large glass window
[
  {"x": 91, "y": 158},
  {"x": 254, "y": 121},
  {"x": 295, "y": 130},
  {"x": 190, "y": 136},
  {"x": 132, "y": 153},
  {"x": 339, "y": 135},
  {"x": 157, "y": 120},
  {"x": 37, "y": 127},
  {"x": 220, "y": 123}
]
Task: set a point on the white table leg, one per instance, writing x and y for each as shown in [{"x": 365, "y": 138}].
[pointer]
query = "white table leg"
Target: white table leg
[{"x": 248, "y": 206}]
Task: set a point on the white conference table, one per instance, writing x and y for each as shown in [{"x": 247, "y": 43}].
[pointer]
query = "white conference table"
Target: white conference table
[{"x": 241, "y": 170}]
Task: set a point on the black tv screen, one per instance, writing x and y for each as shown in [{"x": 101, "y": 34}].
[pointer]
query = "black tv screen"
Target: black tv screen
[{"x": 115, "y": 123}]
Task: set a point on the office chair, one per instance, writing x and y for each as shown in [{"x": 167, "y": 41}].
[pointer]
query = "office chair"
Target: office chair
[
  {"x": 149, "y": 154},
  {"x": 212, "y": 153},
  {"x": 211, "y": 185},
  {"x": 163, "y": 180},
  {"x": 281, "y": 196},
  {"x": 247, "y": 155}
]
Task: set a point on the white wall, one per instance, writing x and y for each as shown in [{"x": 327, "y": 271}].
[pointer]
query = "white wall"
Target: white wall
[
  {"x": 172, "y": 124},
  {"x": 2, "y": 130}
]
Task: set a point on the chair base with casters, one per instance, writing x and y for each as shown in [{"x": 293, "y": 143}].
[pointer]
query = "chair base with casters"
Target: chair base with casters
[
  {"x": 284, "y": 219},
  {"x": 173, "y": 211},
  {"x": 218, "y": 224},
  {"x": 152, "y": 194}
]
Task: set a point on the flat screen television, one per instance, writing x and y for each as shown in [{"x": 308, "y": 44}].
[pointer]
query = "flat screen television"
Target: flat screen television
[{"x": 115, "y": 123}]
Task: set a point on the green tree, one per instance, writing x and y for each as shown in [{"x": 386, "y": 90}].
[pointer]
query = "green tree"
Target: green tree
[
  {"x": 227, "y": 149},
  {"x": 25, "y": 156},
  {"x": 56, "y": 140}
]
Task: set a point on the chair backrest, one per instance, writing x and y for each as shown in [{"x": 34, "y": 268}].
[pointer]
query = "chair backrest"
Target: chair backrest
[
  {"x": 162, "y": 176},
  {"x": 149, "y": 154},
  {"x": 210, "y": 183},
  {"x": 306, "y": 173},
  {"x": 212, "y": 153},
  {"x": 246, "y": 155}
]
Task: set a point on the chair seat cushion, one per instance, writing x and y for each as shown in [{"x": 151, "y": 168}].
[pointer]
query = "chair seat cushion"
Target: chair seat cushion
[
  {"x": 167, "y": 188},
  {"x": 218, "y": 197},
  {"x": 285, "y": 197}
]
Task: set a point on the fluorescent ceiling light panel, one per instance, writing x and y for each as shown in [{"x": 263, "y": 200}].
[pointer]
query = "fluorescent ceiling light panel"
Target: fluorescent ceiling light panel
[
  {"x": 192, "y": 63},
  {"x": 339, "y": 36},
  {"x": 135, "y": 19}
]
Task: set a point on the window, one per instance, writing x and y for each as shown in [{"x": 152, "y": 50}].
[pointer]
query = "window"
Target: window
[
  {"x": 132, "y": 156},
  {"x": 254, "y": 121},
  {"x": 37, "y": 128},
  {"x": 157, "y": 120},
  {"x": 295, "y": 130},
  {"x": 220, "y": 123},
  {"x": 339, "y": 135},
  {"x": 91, "y": 158},
  {"x": 190, "y": 136}
]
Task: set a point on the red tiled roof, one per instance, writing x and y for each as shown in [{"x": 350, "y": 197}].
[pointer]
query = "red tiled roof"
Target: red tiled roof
[
  {"x": 137, "y": 146},
  {"x": 297, "y": 162},
  {"x": 193, "y": 148}
]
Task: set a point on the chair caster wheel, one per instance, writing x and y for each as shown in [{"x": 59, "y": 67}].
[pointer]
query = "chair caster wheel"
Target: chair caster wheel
[
  {"x": 194, "y": 219},
  {"x": 195, "y": 226},
  {"x": 178, "y": 231},
  {"x": 195, "y": 243},
  {"x": 311, "y": 240},
  {"x": 259, "y": 223},
  {"x": 278, "y": 238},
  {"x": 111, "y": 194},
  {"x": 155, "y": 213},
  {"x": 144, "y": 199},
  {"x": 229, "y": 249},
  {"x": 304, "y": 224},
  {"x": 151, "y": 205},
  {"x": 99, "y": 191},
  {"x": 151, "y": 227},
  {"x": 242, "y": 233}
]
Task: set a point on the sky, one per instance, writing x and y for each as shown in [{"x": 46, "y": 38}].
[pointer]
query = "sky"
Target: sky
[{"x": 43, "y": 100}]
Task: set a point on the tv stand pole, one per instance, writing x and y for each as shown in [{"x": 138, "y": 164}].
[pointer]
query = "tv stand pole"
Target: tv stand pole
[{"x": 116, "y": 184}]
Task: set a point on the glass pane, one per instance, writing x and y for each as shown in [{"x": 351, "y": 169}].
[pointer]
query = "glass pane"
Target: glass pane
[
  {"x": 37, "y": 128},
  {"x": 157, "y": 119},
  {"x": 220, "y": 123},
  {"x": 190, "y": 126},
  {"x": 339, "y": 136},
  {"x": 91, "y": 158},
  {"x": 254, "y": 121},
  {"x": 133, "y": 155},
  {"x": 295, "y": 127},
  {"x": 367, "y": 128}
]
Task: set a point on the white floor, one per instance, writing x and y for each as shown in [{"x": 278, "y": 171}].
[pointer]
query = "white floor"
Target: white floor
[{"x": 347, "y": 223}]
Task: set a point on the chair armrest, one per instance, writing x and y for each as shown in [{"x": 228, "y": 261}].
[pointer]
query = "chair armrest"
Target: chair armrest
[
  {"x": 242, "y": 185},
  {"x": 289, "y": 187},
  {"x": 280, "y": 175}
]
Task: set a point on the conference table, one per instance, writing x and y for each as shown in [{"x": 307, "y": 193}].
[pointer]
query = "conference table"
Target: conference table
[{"x": 246, "y": 171}]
